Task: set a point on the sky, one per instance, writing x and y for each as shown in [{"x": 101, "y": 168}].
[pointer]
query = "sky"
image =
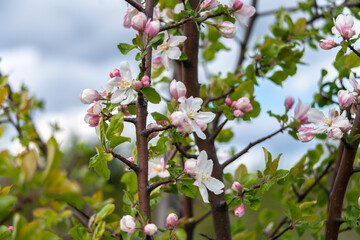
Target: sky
[{"x": 58, "y": 48}]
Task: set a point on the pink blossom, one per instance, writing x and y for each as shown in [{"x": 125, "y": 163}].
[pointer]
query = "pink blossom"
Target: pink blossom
[
  {"x": 343, "y": 26},
  {"x": 227, "y": 29},
  {"x": 171, "y": 220},
  {"x": 95, "y": 108},
  {"x": 11, "y": 228},
  {"x": 89, "y": 95},
  {"x": 190, "y": 166},
  {"x": 301, "y": 112},
  {"x": 158, "y": 168},
  {"x": 177, "y": 89},
  {"x": 228, "y": 101},
  {"x": 236, "y": 187},
  {"x": 156, "y": 63},
  {"x": 239, "y": 211},
  {"x": 305, "y": 134},
  {"x": 92, "y": 119},
  {"x": 138, "y": 22},
  {"x": 249, "y": 108},
  {"x": 180, "y": 121},
  {"x": 145, "y": 80},
  {"x": 328, "y": 44},
  {"x": 209, "y": 4},
  {"x": 242, "y": 103},
  {"x": 130, "y": 13},
  {"x": 152, "y": 28},
  {"x": 127, "y": 224},
  {"x": 114, "y": 73},
  {"x": 150, "y": 229},
  {"x": 238, "y": 113},
  {"x": 289, "y": 102},
  {"x": 137, "y": 85},
  {"x": 130, "y": 159},
  {"x": 345, "y": 98},
  {"x": 359, "y": 201},
  {"x": 237, "y": 5},
  {"x": 242, "y": 11}
]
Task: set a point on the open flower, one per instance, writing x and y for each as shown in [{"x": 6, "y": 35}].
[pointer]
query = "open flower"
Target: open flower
[
  {"x": 242, "y": 11},
  {"x": 124, "y": 93},
  {"x": 169, "y": 49},
  {"x": 158, "y": 168},
  {"x": 346, "y": 98},
  {"x": 203, "y": 177},
  {"x": 189, "y": 114},
  {"x": 343, "y": 26}
]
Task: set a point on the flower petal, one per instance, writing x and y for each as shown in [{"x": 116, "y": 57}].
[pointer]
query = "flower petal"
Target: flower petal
[
  {"x": 173, "y": 53},
  {"x": 246, "y": 11},
  {"x": 176, "y": 40},
  {"x": 205, "y": 117},
  {"x": 165, "y": 61},
  {"x": 118, "y": 95},
  {"x": 125, "y": 71},
  {"x": 197, "y": 130},
  {"x": 204, "y": 193},
  {"x": 315, "y": 116},
  {"x": 215, "y": 185},
  {"x": 130, "y": 96}
]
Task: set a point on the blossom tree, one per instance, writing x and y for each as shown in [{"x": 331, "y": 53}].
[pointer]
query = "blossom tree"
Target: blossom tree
[{"x": 176, "y": 146}]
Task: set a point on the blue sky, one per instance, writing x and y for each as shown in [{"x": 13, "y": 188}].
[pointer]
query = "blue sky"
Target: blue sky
[{"x": 59, "y": 48}]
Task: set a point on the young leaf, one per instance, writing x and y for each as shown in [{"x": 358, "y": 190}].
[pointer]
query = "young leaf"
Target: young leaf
[
  {"x": 125, "y": 48},
  {"x": 151, "y": 94}
]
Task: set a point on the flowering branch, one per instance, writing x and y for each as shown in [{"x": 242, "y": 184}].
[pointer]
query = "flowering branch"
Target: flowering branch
[
  {"x": 250, "y": 145},
  {"x": 131, "y": 165},
  {"x": 135, "y": 5}
]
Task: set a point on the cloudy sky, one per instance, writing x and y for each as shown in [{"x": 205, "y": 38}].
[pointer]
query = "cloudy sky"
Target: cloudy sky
[{"x": 59, "y": 48}]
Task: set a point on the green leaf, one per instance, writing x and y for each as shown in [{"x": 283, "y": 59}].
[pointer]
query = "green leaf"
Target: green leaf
[
  {"x": 240, "y": 172},
  {"x": 299, "y": 26},
  {"x": 274, "y": 165},
  {"x": 7, "y": 203},
  {"x": 189, "y": 189},
  {"x": 295, "y": 212},
  {"x": 140, "y": 55},
  {"x": 225, "y": 135},
  {"x": 130, "y": 180},
  {"x": 268, "y": 161},
  {"x": 4, "y": 232},
  {"x": 79, "y": 233},
  {"x": 159, "y": 117},
  {"x": 157, "y": 40},
  {"x": 125, "y": 48},
  {"x": 99, "y": 231},
  {"x": 266, "y": 186},
  {"x": 99, "y": 162},
  {"x": 353, "y": 138},
  {"x": 267, "y": 215},
  {"x": 310, "y": 218},
  {"x": 104, "y": 212},
  {"x": 278, "y": 77},
  {"x": 151, "y": 94},
  {"x": 116, "y": 126},
  {"x": 115, "y": 141}
]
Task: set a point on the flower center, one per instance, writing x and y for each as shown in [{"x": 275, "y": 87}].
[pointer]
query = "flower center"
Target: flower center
[
  {"x": 327, "y": 121},
  {"x": 123, "y": 83},
  {"x": 157, "y": 168},
  {"x": 205, "y": 177},
  {"x": 164, "y": 46},
  {"x": 191, "y": 113}
]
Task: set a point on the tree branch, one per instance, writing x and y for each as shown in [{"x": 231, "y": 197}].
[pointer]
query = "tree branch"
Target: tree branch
[
  {"x": 131, "y": 165},
  {"x": 136, "y": 5},
  {"x": 147, "y": 132},
  {"x": 354, "y": 50},
  {"x": 183, "y": 152},
  {"x": 218, "y": 129}
]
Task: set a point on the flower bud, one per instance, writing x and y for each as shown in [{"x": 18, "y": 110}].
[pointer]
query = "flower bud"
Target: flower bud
[
  {"x": 228, "y": 101},
  {"x": 238, "y": 113},
  {"x": 152, "y": 28},
  {"x": 171, "y": 220},
  {"x": 95, "y": 108},
  {"x": 138, "y": 22},
  {"x": 137, "y": 85},
  {"x": 130, "y": 159},
  {"x": 305, "y": 134},
  {"x": 190, "y": 166},
  {"x": 11, "y": 228},
  {"x": 89, "y": 95},
  {"x": 92, "y": 119},
  {"x": 345, "y": 98},
  {"x": 335, "y": 133},
  {"x": 242, "y": 103},
  {"x": 227, "y": 29},
  {"x": 327, "y": 44},
  {"x": 239, "y": 211},
  {"x": 177, "y": 89},
  {"x": 150, "y": 229},
  {"x": 209, "y": 4},
  {"x": 358, "y": 203},
  {"x": 114, "y": 73},
  {"x": 127, "y": 224},
  {"x": 249, "y": 108},
  {"x": 156, "y": 63},
  {"x": 236, "y": 187},
  {"x": 237, "y": 5},
  {"x": 289, "y": 102},
  {"x": 162, "y": 123},
  {"x": 145, "y": 80}
]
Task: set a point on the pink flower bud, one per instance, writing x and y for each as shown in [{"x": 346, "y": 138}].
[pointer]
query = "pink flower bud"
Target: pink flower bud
[
  {"x": 359, "y": 201},
  {"x": 233, "y": 104},
  {"x": 305, "y": 134},
  {"x": 239, "y": 211},
  {"x": 327, "y": 44},
  {"x": 209, "y": 4},
  {"x": 228, "y": 101},
  {"x": 237, "y": 5},
  {"x": 190, "y": 166},
  {"x": 335, "y": 133},
  {"x": 89, "y": 95},
  {"x": 242, "y": 103},
  {"x": 343, "y": 26},
  {"x": 249, "y": 108},
  {"x": 236, "y": 187},
  {"x": 227, "y": 29},
  {"x": 92, "y": 119},
  {"x": 171, "y": 220},
  {"x": 150, "y": 229},
  {"x": 137, "y": 85},
  {"x": 289, "y": 102},
  {"x": 153, "y": 134},
  {"x": 238, "y": 113},
  {"x": 145, "y": 81},
  {"x": 177, "y": 89},
  {"x": 127, "y": 224},
  {"x": 345, "y": 98},
  {"x": 138, "y": 22},
  {"x": 114, "y": 73},
  {"x": 130, "y": 159},
  {"x": 95, "y": 108},
  {"x": 11, "y": 228},
  {"x": 152, "y": 28},
  {"x": 156, "y": 63}
]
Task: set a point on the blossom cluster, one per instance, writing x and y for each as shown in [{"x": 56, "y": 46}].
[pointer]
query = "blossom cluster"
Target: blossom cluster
[{"x": 240, "y": 106}]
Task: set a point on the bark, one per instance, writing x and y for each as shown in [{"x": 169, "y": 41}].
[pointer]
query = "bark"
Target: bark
[
  {"x": 221, "y": 221},
  {"x": 340, "y": 184}
]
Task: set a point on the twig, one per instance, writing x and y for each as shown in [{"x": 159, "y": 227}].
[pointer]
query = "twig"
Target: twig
[
  {"x": 207, "y": 237},
  {"x": 250, "y": 145},
  {"x": 205, "y": 215},
  {"x": 218, "y": 129},
  {"x": 147, "y": 132},
  {"x": 290, "y": 227},
  {"x": 356, "y": 169},
  {"x": 131, "y": 120},
  {"x": 136, "y": 5},
  {"x": 79, "y": 216},
  {"x": 184, "y": 153},
  {"x": 159, "y": 183},
  {"x": 131, "y": 165},
  {"x": 210, "y": 99},
  {"x": 295, "y": 190},
  {"x": 354, "y": 50}
]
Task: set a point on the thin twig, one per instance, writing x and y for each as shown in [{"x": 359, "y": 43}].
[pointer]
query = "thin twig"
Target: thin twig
[
  {"x": 159, "y": 183},
  {"x": 136, "y": 5},
  {"x": 131, "y": 120},
  {"x": 183, "y": 152},
  {"x": 290, "y": 227},
  {"x": 210, "y": 99},
  {"x": 218, "y": 129},
  {"x": 131, "y": 165},
  {"x": 197, "y": 221},
  {"x": 147, "y": 132},
  {"x": 354, "y": 50}
]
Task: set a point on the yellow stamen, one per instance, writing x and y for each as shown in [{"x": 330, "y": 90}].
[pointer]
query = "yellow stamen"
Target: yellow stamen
[
  {"x": 191, "y": 113},
  {"x": 123, "y": 83}
]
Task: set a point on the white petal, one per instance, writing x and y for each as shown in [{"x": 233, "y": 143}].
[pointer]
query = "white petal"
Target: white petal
[
  {"x": 320, "y": 130},
  {"x": 334, "y": 30},
  {"x": 349, "y": 20},
  {"x": 239, "y": 19},
  {"x": 340, "y": 122},
  {"x": 204, "y": 193},
  {"x": 176, "y": 40},
  {"x": 125, "y": 71},
  {"x": 165, "y": 61},
  {"x": 246, "y": 11},
  {"x": 196, "y": 104},
  {"x": 118, "y": 95},
  {"x": 202, "y": 160},
  {"x": 197, "y": 130},
  {"x": 215, "y": 185},
  {"x": 173, "y": 53},
  {"x": 164, "y": 174},
  {"x": 209, "y": 166},
  {"x": 129, "y": 94},
  {"x": 205, "y": 117},
  {"x": 315, "y": 116}
]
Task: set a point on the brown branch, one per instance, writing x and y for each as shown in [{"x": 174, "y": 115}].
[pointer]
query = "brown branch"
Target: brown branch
[
  {"x": 136, "y": 5},
  {"x": 211, "y": 99},
  {"x": 131, "y": 165},
  {"x": 290, "y": 227},
  {"x": 131, "y": 120},
  {"x": 200, "y": 219},
  {"x": 217, "y": 131},
  {"x": 84, "y": 220},
  {"x": 159, "y": 183},
  {"x": 250, "y": 145},
  {"x": 354, "y": 50},
  {"x": 183, "y": 152},
  {"x": 147, "y": 132}
]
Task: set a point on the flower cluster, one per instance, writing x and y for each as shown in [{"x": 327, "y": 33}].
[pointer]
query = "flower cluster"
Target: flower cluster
[{"x": 240, "y": 106}]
